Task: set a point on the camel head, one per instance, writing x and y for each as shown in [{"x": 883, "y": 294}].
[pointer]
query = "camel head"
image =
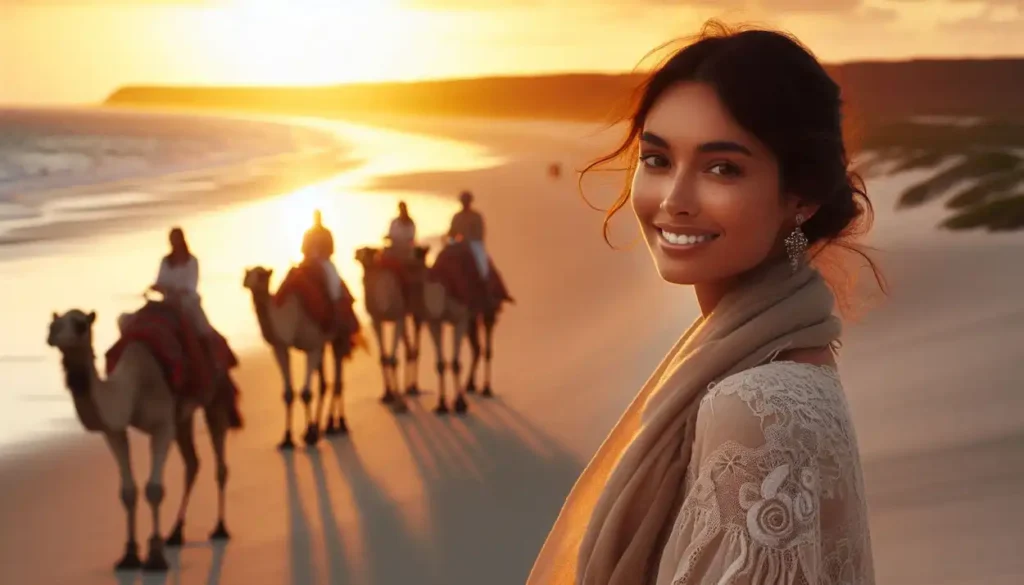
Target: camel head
[
  {"x": 419, "y": 256},
  {"x": 72, "y": 330},
  {"x": 420, "y": 253},
  {"x": 367, "y": 256},
  {"x": 258, "y": 279}
]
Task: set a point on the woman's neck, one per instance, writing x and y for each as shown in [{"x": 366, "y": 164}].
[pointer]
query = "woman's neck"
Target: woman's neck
[
  {"x": 177, "y": 257},
  {"x": 709, "y": 294}
]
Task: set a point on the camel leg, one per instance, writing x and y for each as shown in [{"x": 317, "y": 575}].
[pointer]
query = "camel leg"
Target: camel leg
[
  {"x": 159, "y": 447},
  {"x": 338, "y": 399},
  {"x": 489, "y": 321},
  {"x": 458, "y": 334},
  {"x": 329, "y": 426},
  {"x": 185, "y": 437},
  {"x": 473, "y": 335},
  {"x": 284, "y": 364},
  {"x": 378, "y": 329},
  {"x": 436, "y": 335},
  {"x": 412, "y": 358},
  {"x": 217, "y": 423},
  {"x": 409, "y": 352},
  {"x": 398, "y": 401},
  {"x": 118, "y": 442},
  {"x": 314, "y": 361}
]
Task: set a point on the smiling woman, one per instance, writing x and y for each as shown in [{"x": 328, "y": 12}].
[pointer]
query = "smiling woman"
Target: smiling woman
[{"x": 737, "y": 461}]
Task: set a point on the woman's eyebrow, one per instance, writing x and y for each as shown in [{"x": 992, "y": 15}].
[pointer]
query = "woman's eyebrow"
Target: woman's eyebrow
[{"x": 707, "y": 147}]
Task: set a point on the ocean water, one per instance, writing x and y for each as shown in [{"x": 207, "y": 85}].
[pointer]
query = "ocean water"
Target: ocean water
[{"x": 49, "y": 159}]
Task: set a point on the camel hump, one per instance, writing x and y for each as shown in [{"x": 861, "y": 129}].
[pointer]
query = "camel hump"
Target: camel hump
[{"x": 434, "y": 298}]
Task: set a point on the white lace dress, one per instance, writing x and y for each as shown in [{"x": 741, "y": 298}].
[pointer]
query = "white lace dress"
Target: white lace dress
[{"x": 775, "y": 492}]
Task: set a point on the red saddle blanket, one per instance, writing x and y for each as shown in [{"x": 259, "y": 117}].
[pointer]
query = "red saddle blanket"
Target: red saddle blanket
[
  {"x": 222, "y": 353},
  {"x": 455, "y": 267},
  {"x": 166, "y": 332},
  {"x": 309, "y": 282}
]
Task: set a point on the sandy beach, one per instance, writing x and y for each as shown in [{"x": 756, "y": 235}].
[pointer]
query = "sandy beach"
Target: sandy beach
[{"x": 932, "y": 377}]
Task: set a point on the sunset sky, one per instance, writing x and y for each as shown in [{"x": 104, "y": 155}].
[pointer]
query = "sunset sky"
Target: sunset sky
[{"x": 68, "y": 51}]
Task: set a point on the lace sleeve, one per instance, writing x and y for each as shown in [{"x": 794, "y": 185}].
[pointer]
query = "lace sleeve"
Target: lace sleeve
[{"x": 775, "y": 491}]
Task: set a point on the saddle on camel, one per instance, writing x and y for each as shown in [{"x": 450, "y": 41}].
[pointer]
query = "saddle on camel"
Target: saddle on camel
[
  {"x": 408, "y": 269},
  {"x": 194, "y": 369},
  {"x": 309, "y": 281},
  {"x": 455, "y": 267}
]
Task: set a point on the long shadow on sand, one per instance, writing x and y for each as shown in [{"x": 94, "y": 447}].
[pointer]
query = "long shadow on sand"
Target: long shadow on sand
[
  {"x": 389, "y": 552},
  {"x": 174, "y": 575},
  {"x": 490, "y": 486},
  {"x": 300, "y": 550},
  {"x": 338, "y": 570},
  {"x": 494, "y": 484}
]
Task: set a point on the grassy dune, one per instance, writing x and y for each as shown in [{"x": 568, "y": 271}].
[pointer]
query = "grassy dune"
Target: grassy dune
[{"x": 983, "y": 188}]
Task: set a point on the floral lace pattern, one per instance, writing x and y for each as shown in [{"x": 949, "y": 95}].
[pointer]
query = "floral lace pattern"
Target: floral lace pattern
[{"x": 775, "y": 493}]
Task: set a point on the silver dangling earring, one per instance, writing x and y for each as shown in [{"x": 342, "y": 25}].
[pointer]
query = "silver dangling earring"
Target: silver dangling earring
[{"x": 796, "y": 244}]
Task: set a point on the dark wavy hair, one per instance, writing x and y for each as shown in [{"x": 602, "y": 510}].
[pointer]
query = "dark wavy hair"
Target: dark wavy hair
[
  {"x": 777, "y": 90},
  {"x": 178, "y": 255}
]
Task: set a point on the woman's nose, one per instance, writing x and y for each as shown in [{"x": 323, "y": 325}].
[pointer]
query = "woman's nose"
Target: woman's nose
[{"x": 680, "y": 199}]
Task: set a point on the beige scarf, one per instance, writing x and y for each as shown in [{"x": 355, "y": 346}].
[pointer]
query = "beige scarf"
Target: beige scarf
[{"x": 616, "y": 520}]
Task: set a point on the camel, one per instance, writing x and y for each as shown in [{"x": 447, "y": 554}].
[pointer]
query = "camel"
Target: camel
[
  {"x": 437, "y": 307},
  {"x": 382, "y": 293},
  {"x": 288, "y": 326},
  {"x": 136, "y": 394}
]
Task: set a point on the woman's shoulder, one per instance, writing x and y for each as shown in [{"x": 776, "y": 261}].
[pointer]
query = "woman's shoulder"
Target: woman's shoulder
[
  {"x": 780, "y": 385},
  {"x": 168, "y": 261},
  {"x": 784, "y": 405},
  {"x": 785, "y": 371}
]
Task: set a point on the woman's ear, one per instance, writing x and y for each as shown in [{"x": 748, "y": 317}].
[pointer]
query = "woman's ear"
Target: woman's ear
[
  {"x": 796, "y": 205},
  {"x": 807, "y": 210}
]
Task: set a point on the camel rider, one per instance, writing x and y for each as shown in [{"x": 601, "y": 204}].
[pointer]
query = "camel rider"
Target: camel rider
[
  {"x": 317, "y": 248},
  {"x": 178, "y": 282},
  {"x": 402, "y": 247},
  {"x": 468, "y": 226},
  {"x": 402, "y": 234}
]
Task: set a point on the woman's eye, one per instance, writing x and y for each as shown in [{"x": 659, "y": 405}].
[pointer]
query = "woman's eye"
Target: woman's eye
[
  {"x": 653, "y": 160},
  {"x": 725, "y": 169}
]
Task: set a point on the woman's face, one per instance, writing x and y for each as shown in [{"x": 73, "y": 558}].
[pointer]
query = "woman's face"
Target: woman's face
[
  {"x": 177, "y": 240},
  {"x": 706, "y": 191}
]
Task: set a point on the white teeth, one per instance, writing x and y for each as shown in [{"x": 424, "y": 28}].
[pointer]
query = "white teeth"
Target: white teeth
[{"x": 686, "y": 240}]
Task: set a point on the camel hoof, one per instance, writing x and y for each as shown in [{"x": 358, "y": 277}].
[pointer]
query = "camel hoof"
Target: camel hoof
[
  {"x": 286, "y": 444},
  {"x": 460, "y": 405},
  {"x": 471, "y": 387},
  {"x": 487, "y": 391},
  {"x": 413, "y": 390},
  {"x": 312, "y": 436},
  {"x": 330, "y": 429},
  {"x": 156, "y": 563},
  {"x": 342, "y": 428},
  {"x": 388, "y": 397},
  {"x": 177, "y": 537},
  {"x": 131, "y": 560},
  {"x": 220, "y": 532},
  {"x": 441, "y": 408}
]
